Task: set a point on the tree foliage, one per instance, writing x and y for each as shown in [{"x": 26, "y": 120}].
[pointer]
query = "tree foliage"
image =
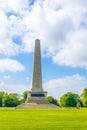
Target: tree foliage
[
  {"x": 52, "y": 100},
  {"x": 1, "y": 98},
  {"x": 69, "y": 100},
  {"x": 84, "y": 97},
  {"x": 84, "y": 93},
  {"x": 11, "y": 100},
  {"x": 25, "y": 95},
  {"x": 84, "y": 102}
]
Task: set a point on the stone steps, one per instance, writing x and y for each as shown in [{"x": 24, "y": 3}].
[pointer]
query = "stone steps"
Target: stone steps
[
  {"x": 36, "y": 105},
  {"x": 38, "y": 101}
]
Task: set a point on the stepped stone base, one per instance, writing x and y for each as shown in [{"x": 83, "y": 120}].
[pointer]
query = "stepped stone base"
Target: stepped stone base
[
  {"x": 37, "y": 97},
  {"x": 36, "y": 105},
  {"x": 37, "y": 100}
]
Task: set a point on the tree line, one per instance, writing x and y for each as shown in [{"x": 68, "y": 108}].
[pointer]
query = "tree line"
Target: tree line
[{"x": 67, "y": 100}]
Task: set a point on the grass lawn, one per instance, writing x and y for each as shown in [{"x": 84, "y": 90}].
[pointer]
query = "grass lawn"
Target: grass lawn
[{"x": 43, "y": 119}]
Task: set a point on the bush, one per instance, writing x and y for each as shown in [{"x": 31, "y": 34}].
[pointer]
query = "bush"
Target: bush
[
  {"x": 69, "y": 100},
  {"x": 11, "y": 100},
  {"x": 52, "y": 100}
]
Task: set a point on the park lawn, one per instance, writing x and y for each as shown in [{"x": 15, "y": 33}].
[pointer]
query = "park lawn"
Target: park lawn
[{"x": 43, "y": 119}]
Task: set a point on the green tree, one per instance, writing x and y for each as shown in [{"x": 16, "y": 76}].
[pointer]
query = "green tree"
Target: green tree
[
  {"x": 1, "y": 98},
  {"x": 25, "y": 95},
  {"x": 84, "y": 93},
  {"x": 79, "y": 104},
  {"x": 84, "y": 102},
  {"x": 69, "y": 100},
  {"x": 84, "y": 97},
  {"x": 11, "y": 100},
  {"x": 52, "y": 100}
]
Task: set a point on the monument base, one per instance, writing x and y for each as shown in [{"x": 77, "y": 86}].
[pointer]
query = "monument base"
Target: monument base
[
  {"x": 37, "y": 100},
  {"x": 36, "y": 106},
  {"x": 37, "y": 97}
]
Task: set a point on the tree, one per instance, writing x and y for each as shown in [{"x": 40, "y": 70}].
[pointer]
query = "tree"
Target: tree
[
  {"x": 25, "y": 95},
  {"x": 52, "y": 100},
  {"x": 11, "y": 100},
  {"x": 79, "y": 104},
  {"x": 84, "y": 102},
  {"x": 84, "y": 93},
  {"x": 1, "y": 98},
  {"x": 84, "y": 97},
  {"x": 69, "y": 100}
]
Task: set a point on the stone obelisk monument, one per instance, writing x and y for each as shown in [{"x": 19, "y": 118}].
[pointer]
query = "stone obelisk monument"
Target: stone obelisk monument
[
  {"x": 37, "y": 74},
  {"x": 37, "y": 97}
]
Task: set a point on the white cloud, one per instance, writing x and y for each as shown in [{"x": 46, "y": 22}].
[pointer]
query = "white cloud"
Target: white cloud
[
  {"x": 60, "y": 86},
  {"x": 7, "y": 46},
  {"x": 7, "y": 77},
  {"x": 13, "y": 88},
  {"x": 74, "y": 54},
  {"x": 10, "y": 65},
  {"x": 13, "y": 6},
  {"x": 61, "y": 26}
]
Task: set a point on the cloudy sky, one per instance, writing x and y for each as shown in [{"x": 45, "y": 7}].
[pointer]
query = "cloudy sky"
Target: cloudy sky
[{"x": 61, "y": 26}]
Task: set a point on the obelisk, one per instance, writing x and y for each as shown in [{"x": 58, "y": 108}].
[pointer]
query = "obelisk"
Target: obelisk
[
  {"x": 37, "y": 95},
  {"x": 37, "y": 74}
]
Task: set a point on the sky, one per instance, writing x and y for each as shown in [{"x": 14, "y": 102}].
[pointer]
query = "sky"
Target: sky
[{"x": 61, "y": 26}]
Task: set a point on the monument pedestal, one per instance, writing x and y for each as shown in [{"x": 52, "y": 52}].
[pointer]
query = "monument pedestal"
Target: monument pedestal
[
  {"x": 37, "y": 97},
  {"x": 37, "y": 100}
]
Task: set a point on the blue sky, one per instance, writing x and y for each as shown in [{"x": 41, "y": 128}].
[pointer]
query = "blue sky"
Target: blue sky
[{"x": 62, "y": 31}]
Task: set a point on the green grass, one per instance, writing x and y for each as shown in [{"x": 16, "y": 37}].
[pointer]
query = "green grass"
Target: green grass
[{"x": 43, "y": 119}]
